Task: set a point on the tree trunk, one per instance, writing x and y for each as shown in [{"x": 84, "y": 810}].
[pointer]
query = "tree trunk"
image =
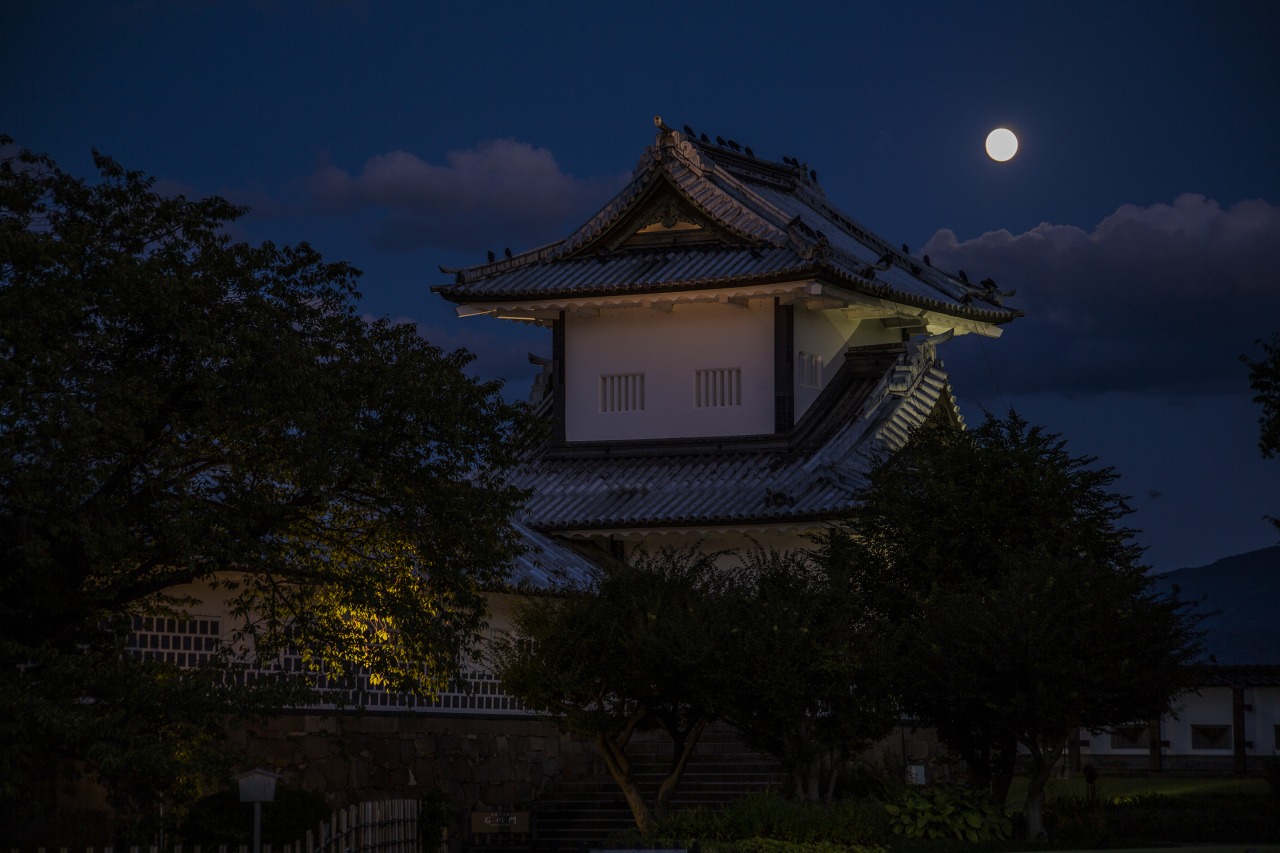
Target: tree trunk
[
  {"x": 620, "y": 768},
  {"x": 1004, "y": 763},
  {"x": 682, "y": 750},
  {"x": 1043, "y": 760}
]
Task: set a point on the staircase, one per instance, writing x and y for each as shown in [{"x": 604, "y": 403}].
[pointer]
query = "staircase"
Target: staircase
[{"x": 578, "y": 814}]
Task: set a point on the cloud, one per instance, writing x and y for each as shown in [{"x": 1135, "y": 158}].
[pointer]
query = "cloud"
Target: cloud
[
  {"x": 501, "y": 190},
  {"x": 1159, "y": 299}
]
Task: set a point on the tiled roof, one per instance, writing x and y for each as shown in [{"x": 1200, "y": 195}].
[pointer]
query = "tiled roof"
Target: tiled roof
[
  {"x": 810, "y": 474},
  {"x": 778, "y": 227},
  {"x": 547, "y": 562}
]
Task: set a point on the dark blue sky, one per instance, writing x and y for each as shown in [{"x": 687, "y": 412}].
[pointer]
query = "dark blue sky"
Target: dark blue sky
[{"x": 1139, "y": 222}]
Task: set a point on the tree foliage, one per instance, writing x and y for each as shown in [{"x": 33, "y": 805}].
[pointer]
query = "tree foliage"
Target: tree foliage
[
  {"x": 781, "y": 647},
  {"x": 1024, "y": 611},
  {"x": 179, "y": 408},
  {"x": 634, "y": 652},
  {"x": 804, "y": 672},
  {"x": 1264, "y": 378}
]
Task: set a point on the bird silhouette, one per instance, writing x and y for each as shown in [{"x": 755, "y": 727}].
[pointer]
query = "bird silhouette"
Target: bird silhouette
[
  {"x": 964, "y": 277},
  {"x": 927, "y": 262},
  {"x": 747, "y": 150},
  {"x": 905, "y": 250},
  {"x": 735, "y": 146},
  {"x": 703, "y": 137},
  {"x": 720, "y": 141},
  {"x": 492, "y": 257},
  {"x": 688, "y": 131},
  {"x": 507, "y": 252},
  {"x": 813, "y": 175},
  {"x": 988, "y": 283}
]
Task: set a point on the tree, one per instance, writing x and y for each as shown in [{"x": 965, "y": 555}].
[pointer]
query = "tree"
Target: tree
[
  {"x": 804, "y": 670},
  {"x": 631, "y": 653},
  {"x": 1024, "y": 611},
  {"x": 1264, "y": 379},
  {"x": 178, "y": 408}
]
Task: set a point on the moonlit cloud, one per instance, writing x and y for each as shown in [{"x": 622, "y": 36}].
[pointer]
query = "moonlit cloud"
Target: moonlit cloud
[
  {"x": 500, "y": 190},
  {"x": 1162, "y": 298}
]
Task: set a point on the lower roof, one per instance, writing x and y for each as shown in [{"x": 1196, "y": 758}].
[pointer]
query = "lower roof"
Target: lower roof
[{"x": 806, "y": 476}]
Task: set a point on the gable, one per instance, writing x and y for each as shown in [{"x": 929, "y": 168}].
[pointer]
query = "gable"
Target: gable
[{"x": 661, "y": 216}]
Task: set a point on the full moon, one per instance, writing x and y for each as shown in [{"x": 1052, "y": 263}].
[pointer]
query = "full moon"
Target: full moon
[{"x": 1001, "y": 144}]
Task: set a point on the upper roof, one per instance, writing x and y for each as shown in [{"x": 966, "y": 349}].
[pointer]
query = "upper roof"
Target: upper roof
[
  {"x": 808, "y": 475},
  {"x": 698, "y": 216}
]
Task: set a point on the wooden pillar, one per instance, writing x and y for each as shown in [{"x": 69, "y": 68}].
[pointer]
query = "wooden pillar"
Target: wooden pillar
[
  {"x": 557, "y": 379},
  {"x": 784, "y": 372},
  {"x": 1238, "y": 743}
]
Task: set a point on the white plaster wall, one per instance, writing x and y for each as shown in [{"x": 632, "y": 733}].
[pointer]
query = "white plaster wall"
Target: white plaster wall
[
  {"x": 1260, "y": 726},
  {"x": 829, "y": 333},
  {"x": 667, "y": 348},
  {"x": 1211, "y": 706}
]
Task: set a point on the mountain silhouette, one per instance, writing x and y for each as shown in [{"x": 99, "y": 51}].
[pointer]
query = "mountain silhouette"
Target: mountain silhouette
[{"x": 1242, "y": 594}]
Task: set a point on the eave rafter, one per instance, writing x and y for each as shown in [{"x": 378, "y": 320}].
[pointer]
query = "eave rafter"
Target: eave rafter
[{"x": 807, "y": 295}]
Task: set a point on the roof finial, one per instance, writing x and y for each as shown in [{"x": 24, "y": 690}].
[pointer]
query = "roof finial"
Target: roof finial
[{"x": 660, "y": 124}]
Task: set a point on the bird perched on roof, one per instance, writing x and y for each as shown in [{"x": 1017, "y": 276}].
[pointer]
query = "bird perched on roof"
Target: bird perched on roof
[
  {"x": 735, "y": 146},
  {"x": 703, "y": 138},
  {"x": 507, "y": 252},
  {"x": 988, "y": 283},
  {"x": 688, "y": 131},
  {"x": 905, "y": 250},
  {"x": 927, "y": 262},
  {"x": 963, "y": 277},
  {"x": 747, "y": 150},
  {"x": 813, "y": 175},
  {"x": 492, "y": 256},
  {"x": 720, "y": 141}
]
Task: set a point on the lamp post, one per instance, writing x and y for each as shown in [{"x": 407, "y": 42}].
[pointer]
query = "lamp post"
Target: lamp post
[{"x": 257, "y": 787}]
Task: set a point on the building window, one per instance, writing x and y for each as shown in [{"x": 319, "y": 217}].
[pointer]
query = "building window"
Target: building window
[
  {"x": 718, "y": 388},
  {"x": 810, "y": 370},
  {"x": 622, "y": 392},
  {"x": 1211, "y": 737},
  {"x": 187, "y": 642},
  {"x": 1131, "y": 737}
]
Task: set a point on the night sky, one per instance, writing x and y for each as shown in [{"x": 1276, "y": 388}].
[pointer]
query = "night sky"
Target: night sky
[{"x": 1139, "y": 222}]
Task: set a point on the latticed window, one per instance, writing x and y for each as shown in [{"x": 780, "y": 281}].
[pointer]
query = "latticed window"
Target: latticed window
[
  {"x": 1211, "y": 737},
  {"x": 622, "y": 392},
  {"x": 1131, "y": 737},
  {"x": 184, "y": 641},
  {"x": 717, "y": 388},
  {"x": 810, "y": 370}
]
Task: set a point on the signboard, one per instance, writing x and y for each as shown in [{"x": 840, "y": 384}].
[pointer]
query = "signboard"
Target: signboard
[{"x": 489, "y": 823}]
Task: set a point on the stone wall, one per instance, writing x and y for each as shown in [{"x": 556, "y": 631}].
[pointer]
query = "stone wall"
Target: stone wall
[{"x": 480, "y": 763}]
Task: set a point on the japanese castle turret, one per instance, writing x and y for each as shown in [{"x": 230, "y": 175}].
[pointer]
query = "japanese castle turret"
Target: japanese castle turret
[{"x": 728, "y": 350}]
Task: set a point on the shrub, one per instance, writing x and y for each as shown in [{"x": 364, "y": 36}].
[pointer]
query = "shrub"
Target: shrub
[
  {"x": 772, "y": 845},
  {"x": 767, "y": 816},
  {"x": 945, "y": 812}
]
